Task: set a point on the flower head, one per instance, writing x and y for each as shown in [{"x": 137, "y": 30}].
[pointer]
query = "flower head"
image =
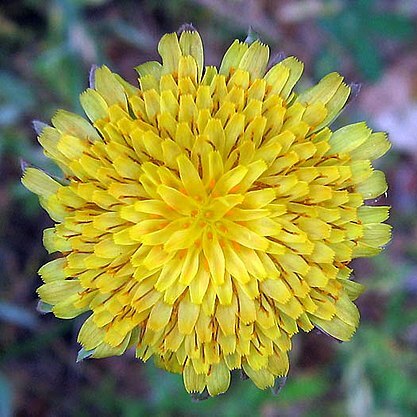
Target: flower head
[{"x": 209, "y": 214}]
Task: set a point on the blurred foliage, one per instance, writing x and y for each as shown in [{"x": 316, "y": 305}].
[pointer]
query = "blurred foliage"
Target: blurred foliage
[
  {"x": 46, "y": 50},
  {"x": 362, "y": 29},
  {"x": 5, "y": 397}
]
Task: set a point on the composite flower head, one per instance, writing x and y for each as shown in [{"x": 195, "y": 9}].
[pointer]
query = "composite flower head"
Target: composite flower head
[{"x": 208, "y": 214}]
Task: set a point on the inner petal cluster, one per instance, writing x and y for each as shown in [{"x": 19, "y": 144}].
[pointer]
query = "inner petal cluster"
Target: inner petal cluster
[{"x": 209, "y": 214}]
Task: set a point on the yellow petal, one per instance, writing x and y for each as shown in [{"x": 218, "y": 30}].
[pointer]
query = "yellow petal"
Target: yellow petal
[
  {"x": 170, "y": 51},
  {"x": 330, "y": 91},
  {"x": 39, "y": 182},
  {"x": 316, "y": 229},
  {"x": 226, "y": 317},
  {"x": 54, "y": 243},
  {"x": 53, "y": 270},
  {"x": 232, "y": 57},
  {"x": 349, "y": 138},
  {"x": 183, "y": 239},
  {"x": 376, "y": 234},
  {"x": 187, "y": 316},
  {"x": 169, "y": 274},
  {"x": 48, "y": 138},
  {"x": 199, "y": 285},
  {"x": 353, "y": 289},
  {"x": 152, "y": 68},
  {"x": 90, "y": 336},
  {"x": 247, "y": 309},
  {"x": 94, "y": 105},
  {"x": 107, "y": 248},
  {"x": 335, "y": 327},
  {"x": 191, "y": 44},
  {"x": 160, "y": 316},
  {"x": 235, "y": 266},
  {"x": 243, "y": 236},
  {"x": 347, "y": 311},
  {"x": 255, "y": 59},
  {"x": 258, "y": 199},
  {"x": 229, "y": 180},
  {"x": 214, "y": 256},
  {"x": 277, "y": 76},
  {"x": 218, "y": 380},
  {"x": 177, "y": 200},
  {"x": 190, "y": 266},
  {"x": 187, "y": 68},
  {"x": 374, "y": 186},
  {"x": 276, "y": 289},
  {"x": 56, "y": 291},
  {"x": 278, "y": 364},
  {"x": 373, "y": 148},
  {"x": 373, "y": 214},
  {"x": 261, "y": 378},
  {"x": 224, "y": 292},
  {"x": 190, "y": 178},
  {"x": 109, "y": 87},
  {"x": 152, "y": 106},
  {"x": 193, "y": 382},
  {"x": 74, "y": 125},
  {"x": 105, "y": 350}
]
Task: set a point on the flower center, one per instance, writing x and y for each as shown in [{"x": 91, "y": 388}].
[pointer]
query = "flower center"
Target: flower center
[{"x": 206, "y": 219}]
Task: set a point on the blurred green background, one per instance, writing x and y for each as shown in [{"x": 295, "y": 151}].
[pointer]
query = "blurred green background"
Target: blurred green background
[{"x": 46, "y": 50}]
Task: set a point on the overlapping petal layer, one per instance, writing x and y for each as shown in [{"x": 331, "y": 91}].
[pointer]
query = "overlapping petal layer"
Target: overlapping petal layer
[{"x": 208, "y": 215}]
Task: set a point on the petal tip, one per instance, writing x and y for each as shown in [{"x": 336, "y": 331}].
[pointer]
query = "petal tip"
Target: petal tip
[
  {"x": 252, "y": 36},
  {"x": 44, "y": 308},
  {"x": 92, "y": 76},
  {"x": 38, "y": 126},
  {"x": 186, "y": 27},
  {"x": 24, "y": 165},
  {"x": 84, "y": 354}
]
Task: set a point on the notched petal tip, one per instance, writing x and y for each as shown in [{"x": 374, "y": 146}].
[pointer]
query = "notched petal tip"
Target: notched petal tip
[
  {"x": 84, "y": 354},
  {"x": 44, "y": 308},
  {"x": 276, "y": 59},
  {"x": 200, "y": 396},
  {"x": 24, "y": 165},
  {"x": 252, "y": 36},
  {"x": 355, "y": 89},
  {"x": 38, "y": 126},
  {"x": 278, "y": 385},
  {"x": 243, "y": 375},
  {"x": 319, "y": 330},
  {"x": 255, "y": 59},
  {"x": 186, "y": 27},
  {"x": 92, "y": 76}
]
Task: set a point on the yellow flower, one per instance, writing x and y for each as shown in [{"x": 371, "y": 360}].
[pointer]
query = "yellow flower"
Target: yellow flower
[{"x": 209, "y": 214}]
